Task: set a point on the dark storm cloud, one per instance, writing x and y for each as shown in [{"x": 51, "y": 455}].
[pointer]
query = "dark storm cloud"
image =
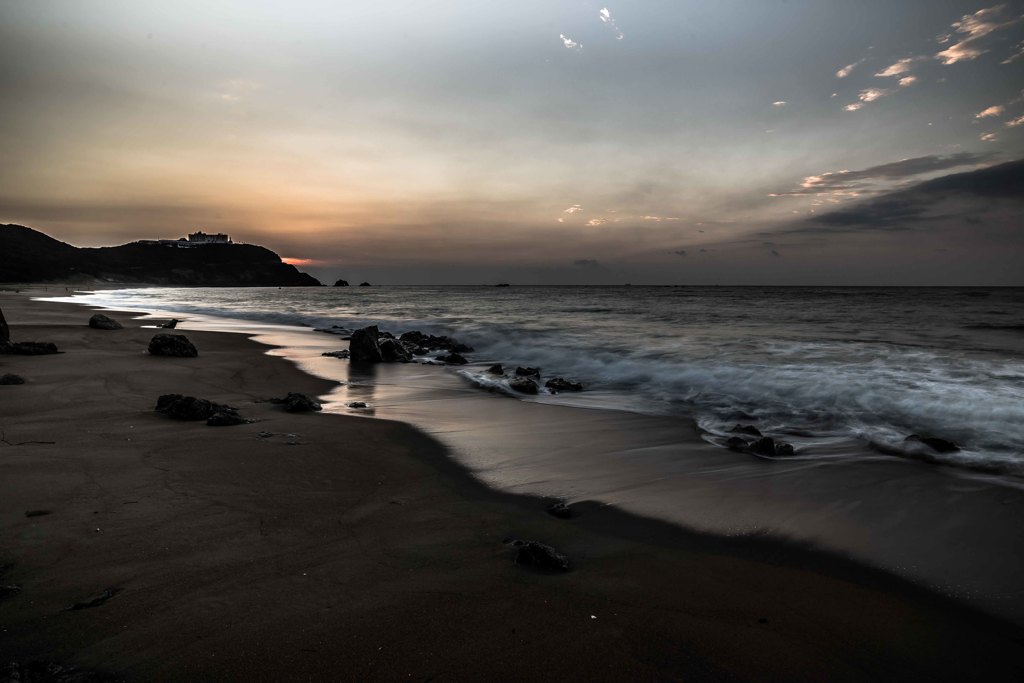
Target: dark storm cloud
[
  {"x": 680, "y": 252},
  {"x": 586, "y": 263},
  {"x": 961, "y": 195}
]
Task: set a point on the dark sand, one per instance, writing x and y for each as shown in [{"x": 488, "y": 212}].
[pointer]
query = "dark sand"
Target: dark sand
[{"x": 363, "y": 552}]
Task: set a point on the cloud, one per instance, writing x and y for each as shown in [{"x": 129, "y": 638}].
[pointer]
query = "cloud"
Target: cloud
[
  {"x": 679, "y": 252},
  {"x": 970, "y": 31},
  {"x": 853, "y": 183},
  {"x": 594, "y": 222},
  {"x": 780, "y": 103},
  {"x": 848, "y": 69},
  {"x": 775, "y": 253},
  {"x": 1013, "y": 123},
  {"x": 586, "y": 263},
  {"x": 235, "y": 89},
  {"x": 994, "y": 110},
  {"x": 907, "y": 81},
  {"x": 575, "y": 208},
  {"x": 1019, "y": 47},
  {"x": 865, "y": 96},
  {"x": 989, "y": 137},
  {"x": 570, "y": 43},
  {"x": 902, "y": 66},
  {"x": 606, "y": 18},
  {"x": 960, "y": 196}
]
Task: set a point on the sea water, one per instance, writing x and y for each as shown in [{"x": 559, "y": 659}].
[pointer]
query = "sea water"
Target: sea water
[{"x": 834, "y": 371}]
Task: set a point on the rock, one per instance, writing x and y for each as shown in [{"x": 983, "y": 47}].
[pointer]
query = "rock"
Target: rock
[
  {"x": 299, "y": 403},
  {"x": 27, "y": 348},
  {"x": 10, "y": 379},
  {"x": 341, "y": 283},
  {"x": 560, "y": 384},
  {"x": 936, "y": 444},
  {"x": 173, "y": 345},
  {"x": 5, "y": 331},
  {"x": 225, "y": 417},
  {"x": 496, "y": 369},
  {"x": 430, "y": 341},
  {"x": 392, "y": 351},
  {"x": 38, "y": 513},
  {"x": 364, "y": 284},
  {"x": 170, "y": 324},
  {"x": 357, "y": 404},
  {"x": 539, "y": 556},
  {"x": 560, "y": 510},
  {"x": 528, "y": 372},
  {"x": 453, "y": 359},
  {"x": 768, "y": 446},
  {"x": 523, "y": 385},
  {"x": 746, "y": 429},
  {"x": 103, "y": 322},
  {"x": 178, "y": 407},
  {"x": 336, "y": 354},
  {"x": 735, "y": 443},
  {"x": 364, "y": 346}
]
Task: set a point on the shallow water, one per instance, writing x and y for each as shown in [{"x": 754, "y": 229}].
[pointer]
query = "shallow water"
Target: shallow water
[{"x": 829, "y": 370}]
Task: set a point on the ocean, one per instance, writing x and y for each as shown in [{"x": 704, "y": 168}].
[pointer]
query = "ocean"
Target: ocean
[
  {"x": 844, "y": 375},
  {"x": 836, "y": 372}
]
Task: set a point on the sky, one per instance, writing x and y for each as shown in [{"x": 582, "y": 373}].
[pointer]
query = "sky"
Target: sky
[{"x": 769, "y": 142}]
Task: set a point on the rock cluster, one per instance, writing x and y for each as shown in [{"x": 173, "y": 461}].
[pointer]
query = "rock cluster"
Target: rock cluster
[
  {"x": 760, "y": 445},
  {"x": 174, "y": 345},
  {"x": 10, "y": 379},
  {"x": 371, "y": 345},
  {"x": 179, "y": 407}
]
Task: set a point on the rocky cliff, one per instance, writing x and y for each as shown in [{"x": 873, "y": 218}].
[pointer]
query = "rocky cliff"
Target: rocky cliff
[{"x": 27, "y": 255}]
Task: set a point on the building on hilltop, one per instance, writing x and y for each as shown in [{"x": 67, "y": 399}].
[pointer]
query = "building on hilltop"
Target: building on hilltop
[{"x": 200, "y": 237}]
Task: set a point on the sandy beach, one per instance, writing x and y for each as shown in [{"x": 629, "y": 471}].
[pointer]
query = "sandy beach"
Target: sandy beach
[{"x": 342, "y": 548}]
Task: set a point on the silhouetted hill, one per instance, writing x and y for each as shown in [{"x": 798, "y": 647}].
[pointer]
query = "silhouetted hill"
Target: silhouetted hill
[{"x": 27, "y": 255}]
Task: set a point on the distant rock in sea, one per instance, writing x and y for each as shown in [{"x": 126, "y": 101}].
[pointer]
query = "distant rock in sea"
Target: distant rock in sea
[
  {"x": 31, "y": 256},
  {"x": 341, "y": 283},
  {"x": 364, "y": 284}
]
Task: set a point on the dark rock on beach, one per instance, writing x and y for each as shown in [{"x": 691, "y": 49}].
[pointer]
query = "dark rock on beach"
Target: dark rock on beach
[
  {"x": 392, "y": 351},
  {"x": 434, "y": 342},
  {"x": 523, "y": 385},
  {"x": 179, "y": 407},
  {"x": 299, "y": 403},
  {"x": 336, "y": 354},
  {"x": 170, "y": 324},
  {"x": 5, "y": 331},
  {"x": 364, "y": 346},
  {"x": 768, "y": 446},
  {"x": 528, "y": 372},
  {"x": 103, "y": 322},
  {"x": 95, "y": 601},
  {"x": 746, "y": 429},
  {"x": 225, "y": 416},
  {"x": 735, "y": 443},
  {"x": 561, "y": 384},
  {"x": 27, "y": 348},
  {"x": 10, "y": 379},
  {"x": 936, "y": 444},
  {"x": 539, "y": 556},
  {"x": 453, "y": 359},
  {"x": 560, "y": 510},
  {"x": 172, "y": 345},
  {"x": 496, "y": 369}
]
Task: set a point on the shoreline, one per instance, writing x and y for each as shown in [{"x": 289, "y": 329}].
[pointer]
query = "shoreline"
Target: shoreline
[{"x": 368, "y": 535}]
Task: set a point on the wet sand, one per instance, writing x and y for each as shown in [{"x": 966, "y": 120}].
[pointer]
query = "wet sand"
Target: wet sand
[{"x": 349, "y": 549}]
